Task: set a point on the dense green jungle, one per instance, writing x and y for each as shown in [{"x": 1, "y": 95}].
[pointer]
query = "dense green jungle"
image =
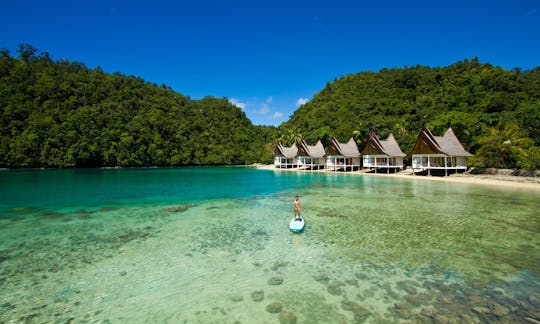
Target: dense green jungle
[{"x": 64, "y": 114}]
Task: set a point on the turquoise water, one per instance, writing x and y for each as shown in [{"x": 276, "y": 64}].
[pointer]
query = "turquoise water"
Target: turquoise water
[{"x": 211, "y": 245}]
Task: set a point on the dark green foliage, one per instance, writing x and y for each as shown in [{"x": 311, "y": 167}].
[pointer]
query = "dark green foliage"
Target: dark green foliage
[
  {"x": 471, "y": 97},
  {"x": 503, "y": 147},
  {"x": 62, "y": 114}
]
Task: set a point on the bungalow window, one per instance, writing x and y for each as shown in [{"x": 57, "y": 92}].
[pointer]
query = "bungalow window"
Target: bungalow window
[{"x": 417, "y": 161}]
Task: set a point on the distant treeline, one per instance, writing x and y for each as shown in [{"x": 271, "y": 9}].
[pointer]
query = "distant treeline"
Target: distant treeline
[
  {"x": 494, "y": 112},
  {"x": 63, "y": 114}
]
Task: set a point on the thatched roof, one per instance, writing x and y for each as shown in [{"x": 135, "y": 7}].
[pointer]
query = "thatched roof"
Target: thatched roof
[
  {"x": 388, "y": 146},
  {"x": 447, "y": 144},
  {"x": 288, "y": 152},
  {"x": 348, "y": 149},
  {"x": 316, "y": 151},
  {"x": 451, "y": 145}
]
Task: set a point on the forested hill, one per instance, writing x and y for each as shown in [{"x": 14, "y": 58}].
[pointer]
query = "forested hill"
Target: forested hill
[
  {"x": 495, "y": 112},
  {"x": 63, "y": 114}
]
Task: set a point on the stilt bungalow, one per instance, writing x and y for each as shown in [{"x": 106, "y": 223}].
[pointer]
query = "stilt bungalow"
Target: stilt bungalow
[
  {"x": 285, "y": 157},
  {"x": 382, "y": 154},
  {"x": 311, "y": 157},
  {"x": 438, "y": 154},
  {"x": 343, "y": 156}
]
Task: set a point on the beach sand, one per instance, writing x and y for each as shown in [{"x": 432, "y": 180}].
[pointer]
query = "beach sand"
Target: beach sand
[{"x": 481, "y": 179}]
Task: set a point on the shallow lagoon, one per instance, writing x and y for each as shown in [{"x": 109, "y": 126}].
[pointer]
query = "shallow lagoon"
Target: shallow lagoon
[{"x": 212, "y": 245}]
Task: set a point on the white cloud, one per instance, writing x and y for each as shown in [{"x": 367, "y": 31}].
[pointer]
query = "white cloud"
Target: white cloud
[
  {"x": 238, "y": 103},
  {"x": 265, "y": 106},
  {"x": 301, "y": 101},
  {"x": 264, "y": 109},
  {"x": 277, "y": 114}
]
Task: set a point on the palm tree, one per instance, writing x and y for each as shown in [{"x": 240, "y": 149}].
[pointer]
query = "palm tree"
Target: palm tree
[
  {"x": 291, "y": 136},
  {"x": 502, "y": 147},
  {"x": 400, "y": 128}
]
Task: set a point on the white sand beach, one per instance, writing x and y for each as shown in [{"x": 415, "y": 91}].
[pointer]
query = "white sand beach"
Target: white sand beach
[{"x": 482, "y": 179}]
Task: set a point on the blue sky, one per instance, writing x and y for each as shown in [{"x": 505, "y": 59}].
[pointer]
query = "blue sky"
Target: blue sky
[{"x": 268, "y": 57}]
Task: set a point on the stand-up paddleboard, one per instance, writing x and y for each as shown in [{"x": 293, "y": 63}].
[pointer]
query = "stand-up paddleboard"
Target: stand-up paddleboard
[{"x": 297, "y": 224}]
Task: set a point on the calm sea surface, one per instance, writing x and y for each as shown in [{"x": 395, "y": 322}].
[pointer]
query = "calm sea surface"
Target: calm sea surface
[{"x": 211, "y": 245}]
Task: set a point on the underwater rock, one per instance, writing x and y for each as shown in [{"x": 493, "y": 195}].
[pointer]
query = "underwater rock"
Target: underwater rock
[
  {"x": 274, "y": 308},
  {"x": 413, "y": 300},
  {"x": 4, "y": 257},
  {"x": 441, "y": 319},
  {"x": 361, "y": 276},
  {"x": 237, "y": 299},
  {"x": 466, "y": 318},
  {"x": 257, "y": 295},
  {"x": 348, "y": 305},
  {"x": 29, "y": 318},
  {"x": 123, "y": 273},
  {"x": 533, "y": 318},
  {"x": 480, "y": 310},
  {"x": 430, "y": 285},
  {"x": 419, "y": 319},
  {"x": 322, "y": 278},
  {"x": 287, "y": 318},
  {"x": 334, "y": 288},
  {"x": 275, "y": 281},
  {"x": 444, "y": 300},
  {"x": 407, "y": 286},
  {"x": 534, "y": 300},
  {"x": 358, "y": 311},
  {"x": 476, "y": 300},
  {"x": 402, "y": 311},
  {"x": 279, "y": 264},
  {"x": 390, "y": 292},
  {"x": 368, "y": 293},
  {"x": 50, "y": 214},
  {"x": 429, "y": 311},
  {"x": 133, "y": 235},
  {"x": 410, "y": 290},
  {"x": 352, "y": 282},
  {"x": 179, "y": 209},
  {"x": 499, "y": 310}
]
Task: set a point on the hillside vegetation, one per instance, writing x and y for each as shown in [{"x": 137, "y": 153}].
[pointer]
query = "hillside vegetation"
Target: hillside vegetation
[
  {"x": 493, "y": 111},
  {"x": 62, "y": 114}
]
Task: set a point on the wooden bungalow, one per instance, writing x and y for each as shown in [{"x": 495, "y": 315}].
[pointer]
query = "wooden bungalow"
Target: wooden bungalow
[
  {"x": 382, "y": 154},
  {"x": 343, "y": 156},
  {"x": 311, "y": 157},
  {"x": 285, "y": 157},
  {"x": 436, "y": 154}
]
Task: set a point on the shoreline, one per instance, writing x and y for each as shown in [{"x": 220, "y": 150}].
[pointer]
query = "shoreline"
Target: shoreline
[{"x": 466, "y": 178}]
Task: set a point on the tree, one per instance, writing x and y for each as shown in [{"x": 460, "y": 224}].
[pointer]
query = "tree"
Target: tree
[
  {"x": 27, "y": 52},
  {"x": 503, "y": 147}
]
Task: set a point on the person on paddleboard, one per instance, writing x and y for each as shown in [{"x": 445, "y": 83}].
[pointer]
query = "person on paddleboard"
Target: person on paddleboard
[{"x": 297, "y": 208}]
